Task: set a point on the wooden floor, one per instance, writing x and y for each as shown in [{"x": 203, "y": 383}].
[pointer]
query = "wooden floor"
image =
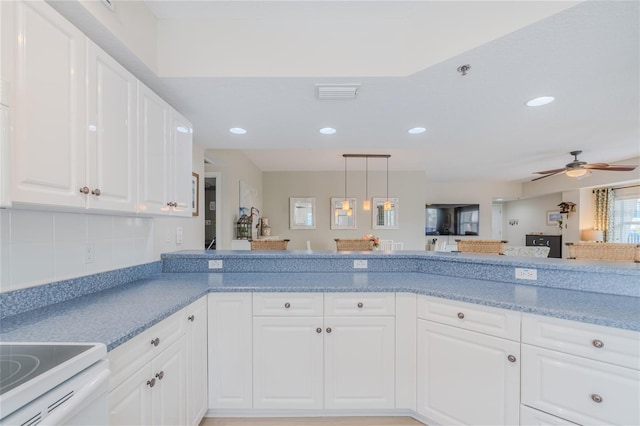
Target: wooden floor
[{"x": 310, "y": 421}]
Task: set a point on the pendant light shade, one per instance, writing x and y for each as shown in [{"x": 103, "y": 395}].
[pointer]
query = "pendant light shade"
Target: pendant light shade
[
  {"x": 345, "y": 202},
  {"x": 366, "y": 204},
  {"x": 387, "y": 203}
]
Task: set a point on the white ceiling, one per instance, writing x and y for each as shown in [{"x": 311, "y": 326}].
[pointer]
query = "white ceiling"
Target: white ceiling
[{"x": 478, "y": 127}]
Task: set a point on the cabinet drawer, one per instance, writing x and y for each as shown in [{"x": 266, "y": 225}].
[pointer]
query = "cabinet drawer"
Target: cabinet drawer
[
  {"x": 531, "y": 417},
  {"x": 616, "y": 346},
  {"x": 284, "y": 304},
  {"x": 579, "y": 389},
  {"x": 359, "y": 304},
  {"x": 128, "y": 357},
  {"x": 483, "y": 319}
]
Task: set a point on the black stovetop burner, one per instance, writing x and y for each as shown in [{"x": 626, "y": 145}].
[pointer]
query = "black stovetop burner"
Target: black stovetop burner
[{"x": 20, "y": 363}]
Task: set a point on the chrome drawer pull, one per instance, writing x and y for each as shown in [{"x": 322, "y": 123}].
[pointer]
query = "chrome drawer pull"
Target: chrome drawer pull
[
  {"x": 598, "y": 343},
  {"x": 460, "y": 315},
  {"x": 329, "y": 330},
  {"x": 151, "y": 383},
  {"x": 160, "y": 375},
  {"x": 191, "y": 318},
  {"x": 511, "y": 358},
  {"x": 156, "y": 341},
  {"x": 287, "y": 305},
  {"x": 596, "y": 398},
  {"x": 318, "y": 330},
  {"x": 360, "y": 304}
]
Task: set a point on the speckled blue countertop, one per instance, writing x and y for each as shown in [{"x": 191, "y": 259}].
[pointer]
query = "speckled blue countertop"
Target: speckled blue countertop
[{"x": 113, "y": 314}]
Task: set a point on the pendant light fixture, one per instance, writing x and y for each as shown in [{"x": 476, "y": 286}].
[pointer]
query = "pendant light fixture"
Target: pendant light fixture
[
  {"x": 366, "y": 204},
  {"x": 345, "y": 202},
  {"x": 387, "y": 203}
]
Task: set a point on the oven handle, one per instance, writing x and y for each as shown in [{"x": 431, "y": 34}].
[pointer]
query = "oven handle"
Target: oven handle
[{"x": 86, "y": 393}]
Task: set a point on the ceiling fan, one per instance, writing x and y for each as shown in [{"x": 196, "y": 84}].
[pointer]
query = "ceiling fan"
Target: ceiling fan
[{"x": 578, "y": 168}]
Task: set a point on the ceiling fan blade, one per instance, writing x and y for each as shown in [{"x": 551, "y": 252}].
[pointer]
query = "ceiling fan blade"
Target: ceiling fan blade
[
  {"x": 556, "y": 172},
  {"x": 550, "y": 172},
  {"x": 595, "y": 166},
  {"x": 614, "y": 168}
]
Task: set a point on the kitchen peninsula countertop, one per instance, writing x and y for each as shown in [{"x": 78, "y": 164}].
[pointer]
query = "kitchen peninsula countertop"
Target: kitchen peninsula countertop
[{"x": 114, "y": 315}]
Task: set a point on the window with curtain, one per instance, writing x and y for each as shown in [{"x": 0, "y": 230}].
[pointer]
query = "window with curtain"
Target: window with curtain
[{"x": 626, "y": 216}]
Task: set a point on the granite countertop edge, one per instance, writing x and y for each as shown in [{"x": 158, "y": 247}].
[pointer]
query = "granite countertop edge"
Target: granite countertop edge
[{"x": 115, "y": 315}]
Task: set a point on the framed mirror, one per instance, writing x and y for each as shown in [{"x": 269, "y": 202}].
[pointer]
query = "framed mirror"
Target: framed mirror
[
  {"x": 385, "y": 219},
  {"x": 343, "y": 219},
  {"x": 302, "y": 213}
]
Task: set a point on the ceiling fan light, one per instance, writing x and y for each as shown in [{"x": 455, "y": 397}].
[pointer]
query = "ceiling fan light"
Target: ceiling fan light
[{"x": 576, "y": 172}]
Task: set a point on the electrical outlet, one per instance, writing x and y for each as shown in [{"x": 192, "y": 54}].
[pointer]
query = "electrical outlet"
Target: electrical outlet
[
  {"x": 360, "y": 264},
  {"x": 89, "y": 253},
  {"x": 215, "y": 264},
  {"x": 526, "y": 274}
]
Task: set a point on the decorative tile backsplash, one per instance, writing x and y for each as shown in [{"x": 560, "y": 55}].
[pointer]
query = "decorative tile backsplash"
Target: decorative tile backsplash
[{"x": 39, "y": 247}]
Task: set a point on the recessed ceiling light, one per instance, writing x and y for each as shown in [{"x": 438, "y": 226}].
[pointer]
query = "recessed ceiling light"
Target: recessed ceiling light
[
  {"x": 327, "y": 130},
  {"x": 237, "y": 130},
  {"x": 542, "y": 100},
  {"x": 417, "y": 130}
]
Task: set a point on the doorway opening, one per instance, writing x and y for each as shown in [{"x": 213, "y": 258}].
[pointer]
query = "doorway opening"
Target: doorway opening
[{"x": 212, "y": 210}]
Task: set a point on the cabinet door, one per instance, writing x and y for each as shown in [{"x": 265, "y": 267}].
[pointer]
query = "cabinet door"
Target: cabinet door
[
  {"x": 169, "y": 398},
  {"x": 230, "y": 343},
  {"x": 196, "y": 317},
  {"x": 578, "y": 389},
  {"x": 111, "y": 133},
  {"x": 154, "y": 142},
  {"x": 130, "y": 402},
  {"x": 48, "y": 108},
  {"x": 466, "y": 377},
  {"x": 181, "y": 164},
  {"x": 287, "y": 368},
  {"x": 359, "y": 362}
]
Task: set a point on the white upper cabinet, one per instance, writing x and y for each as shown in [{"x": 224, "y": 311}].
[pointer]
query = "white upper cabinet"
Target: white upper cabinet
[
  {"x": 165, "y": 157},
  {"x": 48, "y": 109},
  {"x": 111, "y": 133},
  {"x": 181, "y": 163}
]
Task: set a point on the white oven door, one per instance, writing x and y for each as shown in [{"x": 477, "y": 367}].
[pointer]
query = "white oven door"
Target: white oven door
[{"x": 81, "y": 400}]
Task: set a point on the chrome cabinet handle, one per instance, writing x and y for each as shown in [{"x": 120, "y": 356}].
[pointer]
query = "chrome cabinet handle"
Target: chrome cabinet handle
[
  {"x": 287, "y": 305},
  {"x": 151, "y": 383},
  {"x": 191, "y": 318},
  {"x": 85, "y": 190},
  {"x": 318, "y": 330},
  {"x": 329, "y": 330},
  {"x": 460, "y": 315},
  {"x": 596, "y": 398},
  {"x": 598, "y": 343},
  {"x": 511, "y": 358},
  {"x": 160, "y": 375},
  {"x": 96, "y": 192},
  {"x": 156, "y": 341},
  {"x": 360, "y": 304}
]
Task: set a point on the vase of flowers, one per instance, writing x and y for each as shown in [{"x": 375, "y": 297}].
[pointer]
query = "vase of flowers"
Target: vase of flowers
[{"x": 371, "y": 237}]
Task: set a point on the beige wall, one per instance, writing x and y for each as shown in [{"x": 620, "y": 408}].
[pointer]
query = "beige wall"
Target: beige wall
[
  {"x": 407, "y": 186},
  {"x": 234, "y": 166},
  {"x": 531, "y": 215}
]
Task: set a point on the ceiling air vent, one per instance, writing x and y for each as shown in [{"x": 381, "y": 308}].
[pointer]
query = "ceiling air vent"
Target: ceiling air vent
[{"x": 337, "y": 91}]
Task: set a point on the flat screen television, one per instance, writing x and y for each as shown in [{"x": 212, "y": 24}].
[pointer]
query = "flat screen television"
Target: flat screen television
[{"x": 452, "y": 219}]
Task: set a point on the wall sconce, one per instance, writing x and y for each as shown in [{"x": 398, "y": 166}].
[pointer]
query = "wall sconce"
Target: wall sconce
[{"x": 513, "y": 222}]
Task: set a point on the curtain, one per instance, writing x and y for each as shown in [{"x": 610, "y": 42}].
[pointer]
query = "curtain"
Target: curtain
[{"x": 604, "y": 218}]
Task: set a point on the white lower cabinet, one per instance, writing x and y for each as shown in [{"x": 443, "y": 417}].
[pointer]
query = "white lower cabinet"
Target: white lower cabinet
[
  {"x": 466, "y": 377},
  {"x": 154, "y": 394},
  {"x": 581, "y": 373},
  {"x": 287, "y": 362},
  {"x": 196, "y": 317},
  {"x": 159, "y": 376},
  {"x": 531, "y": 417},
  {"x": 359, "y": 362},
  {"x": 230, "y": 351}
]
